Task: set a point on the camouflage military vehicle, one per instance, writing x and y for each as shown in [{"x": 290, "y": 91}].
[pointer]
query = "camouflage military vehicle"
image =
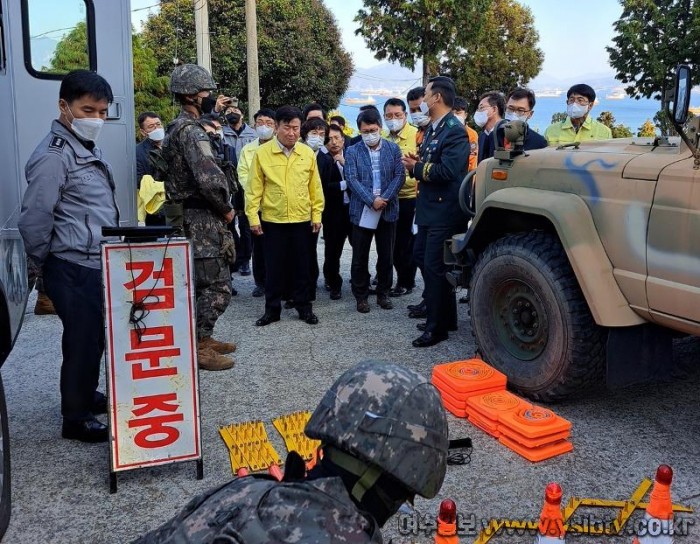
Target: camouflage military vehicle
[{"x": 583, "y": 259}]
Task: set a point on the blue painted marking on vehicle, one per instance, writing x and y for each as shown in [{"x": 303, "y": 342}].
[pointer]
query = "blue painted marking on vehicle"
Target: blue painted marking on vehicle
[{"x": 581, "y": 170}]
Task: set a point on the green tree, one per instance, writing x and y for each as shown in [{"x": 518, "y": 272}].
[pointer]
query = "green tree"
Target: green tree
[
  {"x": 151, "y": 91},
  {"x": 618, "y": 130},
  {"x": 652, "y": 36},
  {"x": 647, "y": 130},
  {"x": 501, "y": 56},
  {"x": 419, "y": 30},
  {"x": 71, "y": 52},
  {"x": 300, "y": 50}
]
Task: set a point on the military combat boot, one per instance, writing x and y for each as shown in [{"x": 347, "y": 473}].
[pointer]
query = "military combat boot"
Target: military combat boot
[
  {"x": 210, "y": 360},
  {"x": 43, "y": 305},
  {"x": 219, "y": 347}
]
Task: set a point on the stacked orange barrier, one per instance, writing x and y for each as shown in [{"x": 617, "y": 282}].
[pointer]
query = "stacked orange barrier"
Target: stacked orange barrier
[
  {"x": 463, "y": 379},
  {"x": 477, "y": 391}
]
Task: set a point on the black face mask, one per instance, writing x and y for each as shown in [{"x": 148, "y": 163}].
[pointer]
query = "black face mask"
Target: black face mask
[
  {"x": 208, "y": 104},
  {"x": 233, "y": 118}
]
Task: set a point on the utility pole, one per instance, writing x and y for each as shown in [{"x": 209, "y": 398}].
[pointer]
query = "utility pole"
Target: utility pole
[
  {"x": 201, "y": 24},
  {"x": 251, "y": 31}
]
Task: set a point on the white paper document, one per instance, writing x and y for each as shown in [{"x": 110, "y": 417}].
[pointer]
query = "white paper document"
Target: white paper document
[{"x": 370, "y": 218}]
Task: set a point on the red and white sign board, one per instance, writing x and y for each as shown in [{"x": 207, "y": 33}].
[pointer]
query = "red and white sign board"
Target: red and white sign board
[{"x": 151, "y": 354}]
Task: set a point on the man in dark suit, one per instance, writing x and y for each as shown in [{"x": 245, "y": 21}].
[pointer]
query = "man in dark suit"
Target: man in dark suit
[
  {"x": 520, "y": 107},
  {"x": 152, "y": 132},
  {"x": 375, "y": 174},
  {"x": 439, "y": 167},
  {"x": 489, "y": 113},
  {"x": 336, "y": 214}
]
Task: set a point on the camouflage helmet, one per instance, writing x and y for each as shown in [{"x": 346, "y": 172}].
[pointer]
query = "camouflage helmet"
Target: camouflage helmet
[
  {"x": 390, "y": 417},
  {"x": 189, "y": 79}
]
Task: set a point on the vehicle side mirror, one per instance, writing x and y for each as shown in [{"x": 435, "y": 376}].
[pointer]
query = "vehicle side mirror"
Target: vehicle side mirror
[{"x": 681, "y": 94}]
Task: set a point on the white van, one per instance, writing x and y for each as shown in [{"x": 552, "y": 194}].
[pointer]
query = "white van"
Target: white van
[{"x": 40, "y": 41}]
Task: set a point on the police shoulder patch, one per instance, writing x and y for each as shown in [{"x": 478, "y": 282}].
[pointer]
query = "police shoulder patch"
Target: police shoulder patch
[
  {"x": 451, "y": 122},
  {"x": 57, "y": 142}
]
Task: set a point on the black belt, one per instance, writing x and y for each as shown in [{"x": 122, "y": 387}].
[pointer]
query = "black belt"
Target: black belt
[{"x": 192, "y": 203}]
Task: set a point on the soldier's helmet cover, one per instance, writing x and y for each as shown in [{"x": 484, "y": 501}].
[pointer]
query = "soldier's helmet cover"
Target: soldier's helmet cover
[
  {"x": 391, "y": 417},
  {"x": 189, "y": 79}
]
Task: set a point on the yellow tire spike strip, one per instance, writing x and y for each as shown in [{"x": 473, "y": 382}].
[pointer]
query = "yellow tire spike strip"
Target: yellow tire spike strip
[
  {"x": 291, "y": 427},
  {"x": 249, "y": 446},
  {"x": 626, "y": 509}
]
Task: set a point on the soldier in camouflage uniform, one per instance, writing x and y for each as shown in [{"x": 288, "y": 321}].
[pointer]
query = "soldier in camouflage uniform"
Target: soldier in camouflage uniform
[
  {"x": 199, "y": 202},
  {"x": 384, "y": 440}
]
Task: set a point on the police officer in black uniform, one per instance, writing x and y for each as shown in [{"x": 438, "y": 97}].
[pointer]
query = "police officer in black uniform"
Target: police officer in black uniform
[{"x": 439, "y": 167}]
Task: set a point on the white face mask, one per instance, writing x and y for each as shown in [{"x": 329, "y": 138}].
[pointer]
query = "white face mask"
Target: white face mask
[
  {"x": 420, "y": 119},
  {"x": 481, "y": 118},
  {"x": 576, "y": 111},
  {"x": 157, "y": 135},
  {"x": 371, "y": 139},
  {"x": 87, "y": 128},
  {"x": 424, "y": 109},
  {"x": 512, "y": 116},
  {"x": 395, "y": 125},
  {"x": 314, "y": 141},
  {"x": 264, "y": 132}
]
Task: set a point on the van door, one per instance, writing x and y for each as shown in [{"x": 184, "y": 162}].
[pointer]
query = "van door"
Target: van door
[
  {"x": 55, "y": 38},
  {"x": 673, "y": 245}
]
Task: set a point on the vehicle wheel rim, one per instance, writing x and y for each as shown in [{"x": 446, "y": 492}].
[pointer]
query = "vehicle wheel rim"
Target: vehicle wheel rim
[{"x": 521, "y": 320}]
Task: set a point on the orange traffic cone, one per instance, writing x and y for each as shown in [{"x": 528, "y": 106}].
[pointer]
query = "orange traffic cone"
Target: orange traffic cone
[
  {"x": 551, "y": 526},
  {"x": 447, "y": 523},
  {"x": 658, "y": 526}
]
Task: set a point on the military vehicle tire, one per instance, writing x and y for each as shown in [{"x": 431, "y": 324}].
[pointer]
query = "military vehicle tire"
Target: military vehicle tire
[
  {"x": 5, "y": 496},
  {"x": 530, "y": 319}
]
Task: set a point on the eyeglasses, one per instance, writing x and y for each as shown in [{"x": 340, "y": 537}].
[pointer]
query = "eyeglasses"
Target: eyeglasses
[
  {"x": 580, "y": 100},
  {"x": 519, "y": 111},
  {"x": 484, "y": 107},
  {"x": 390, "y": 116}
]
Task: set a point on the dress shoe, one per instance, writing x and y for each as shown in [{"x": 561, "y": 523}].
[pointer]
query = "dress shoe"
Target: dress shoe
[
  {"x": 428, "y": 339},
  {"x": 219, "y": 347},
  {"x": 418, "y": 314},
  {"x": 384, "y": 303},
  {"x": 259, "y": 291},
  {"x": 363, "y": 306},
  {"x": 208, "y": 359},
  {"x": 375, "y": 281},
  {"x": 417, "y": 307},
  {"x": 326, "y": 286},
  {"x": 400, "y": 291},
  {"x": 289, "y": 304},
  {"x": 465, "y": 298},
  {"x": 234, "y": 292},
  {"x": 87, "y": 430},
  {"x": 421, "y": 327},
  {"x": 309, "y": 317},
  {"x": 244, "y": 270},
  {"x": 44, "y": 306},
  {"x": 266, "y": 319},
  {"x": 336, "y": 295},
  {"x": 99, "y": 403}
]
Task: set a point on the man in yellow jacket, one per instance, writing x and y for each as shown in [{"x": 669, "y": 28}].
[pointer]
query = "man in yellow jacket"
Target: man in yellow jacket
[{"x": 285, "y": 185}]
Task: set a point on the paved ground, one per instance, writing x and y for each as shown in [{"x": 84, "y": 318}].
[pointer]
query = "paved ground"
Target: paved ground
[{"x": 60, "y": 488}]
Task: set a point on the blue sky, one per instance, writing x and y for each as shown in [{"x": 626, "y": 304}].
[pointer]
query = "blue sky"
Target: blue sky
[{"x": 573, "y": 34}]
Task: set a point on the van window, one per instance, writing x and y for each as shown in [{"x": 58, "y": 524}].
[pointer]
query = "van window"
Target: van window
[{"x": 58, "y": 36}]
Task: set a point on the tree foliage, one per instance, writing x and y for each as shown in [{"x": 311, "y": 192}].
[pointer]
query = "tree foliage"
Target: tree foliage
[
  {"x": 150, "y": 90},
  {"x": 647, "y": 130},
  {"x": 618, "y": 130},
  {"x": 501, "y": 56},
  {"x": 300, "y": 51},
  {"x": 419, "y": 30},
  {"x": 652, "y": 36},
  {"x": 71, "y": 52}
]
